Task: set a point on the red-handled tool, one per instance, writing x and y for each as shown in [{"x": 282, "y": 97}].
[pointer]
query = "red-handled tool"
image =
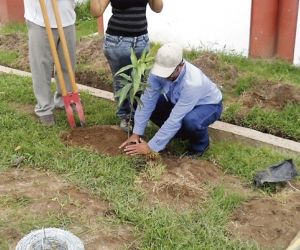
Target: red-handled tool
[{"x": 70, "y": 98}]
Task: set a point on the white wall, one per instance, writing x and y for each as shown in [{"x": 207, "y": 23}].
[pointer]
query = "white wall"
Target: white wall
[
  {"x": 297, "y": 44},
  {"x": 211, "y": 24}
]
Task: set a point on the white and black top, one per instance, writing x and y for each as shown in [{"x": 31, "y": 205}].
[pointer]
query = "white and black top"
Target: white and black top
[{"x": 128, "y": 18}]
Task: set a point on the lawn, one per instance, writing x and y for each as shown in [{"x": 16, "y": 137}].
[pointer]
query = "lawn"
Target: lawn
[{"x": 113, "y": 201}]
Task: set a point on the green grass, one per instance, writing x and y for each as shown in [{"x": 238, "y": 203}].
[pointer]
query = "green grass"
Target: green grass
[
  {"x": 114, "y": 179},
  {"x": 14, "y": 28},
  {"x": 273, "y": 70},
  {"x": 244, "y": 84},
  {"x": 8, "y": 57},
  {"x": 283, "y": 123},
  {"x": 86, "y": 28},
  {"x": 251, "y": 73}
]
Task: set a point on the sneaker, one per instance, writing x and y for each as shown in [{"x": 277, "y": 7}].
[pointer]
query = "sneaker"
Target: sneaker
[
  {"x": 195, "y": 154},
  {"x": 126, "y": 125},
  {"x": 47, "y": 120}
]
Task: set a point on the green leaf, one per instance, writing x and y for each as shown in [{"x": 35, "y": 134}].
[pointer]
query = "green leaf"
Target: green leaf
[
  {"x": 133, "y": 82},
  {"x": 125, "y": 82},
  {"x": 149, "y": 58},
  {"x": 136, "y": 83},
  {"x": 142, "y": 69},
  {"x": 149, "y": 65},
  {"x": 143, "y": 56},
  {"x": 131, "y": 96},
  {"x": 127, "y": 77},
  {"x": 139, "y": 102},
  {"x": 124, "y": 69},
  {"x": 133, "y": 58},
  {"x": 153, "y": 51},
  {"x": 123, "y": 93}
]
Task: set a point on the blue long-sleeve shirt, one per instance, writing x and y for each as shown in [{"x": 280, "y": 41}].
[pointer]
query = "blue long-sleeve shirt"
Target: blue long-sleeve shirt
[{"x": 191, "y": 88}]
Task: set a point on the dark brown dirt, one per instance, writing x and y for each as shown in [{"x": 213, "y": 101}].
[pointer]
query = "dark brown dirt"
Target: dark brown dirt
[{"x": 271, "y": 221}]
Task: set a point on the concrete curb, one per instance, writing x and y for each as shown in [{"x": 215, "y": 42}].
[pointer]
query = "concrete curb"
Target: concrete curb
[
  {"x": 219, "y": 131},
  {"x": 99, "y": 93},
  {"x": 223, "y": 131}
]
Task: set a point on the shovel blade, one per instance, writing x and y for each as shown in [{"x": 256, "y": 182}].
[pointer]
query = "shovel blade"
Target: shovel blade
[{"x": 71, "y": 100}]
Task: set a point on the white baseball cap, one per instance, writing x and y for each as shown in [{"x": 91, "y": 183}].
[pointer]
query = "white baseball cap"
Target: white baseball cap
[{"x": 168, "y": 57}]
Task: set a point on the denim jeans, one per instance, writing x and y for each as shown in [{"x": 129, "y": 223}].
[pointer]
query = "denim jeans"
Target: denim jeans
[
  {"x": 117, "y": 50},
  {"x": 195, "y": 123}
]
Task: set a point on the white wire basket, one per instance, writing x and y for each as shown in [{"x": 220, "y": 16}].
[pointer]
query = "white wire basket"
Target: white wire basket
[{"x": 50, "y": 239}]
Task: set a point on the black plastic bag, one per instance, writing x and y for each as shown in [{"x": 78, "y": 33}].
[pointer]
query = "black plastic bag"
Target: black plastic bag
[{"x": 280, "y": 172}]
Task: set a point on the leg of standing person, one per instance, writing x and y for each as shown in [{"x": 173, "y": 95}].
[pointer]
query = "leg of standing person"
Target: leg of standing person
[
  {"x": 117, "y": 51},
  {"x": 70, "y": 35},
  {"x": 41, "y": 64}
]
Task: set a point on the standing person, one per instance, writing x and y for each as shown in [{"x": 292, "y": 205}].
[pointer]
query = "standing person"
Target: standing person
[
  {"x": 40, "y": 55},
  {"x": 181, "y": 100},
  {"x": 126, "y": 29}
]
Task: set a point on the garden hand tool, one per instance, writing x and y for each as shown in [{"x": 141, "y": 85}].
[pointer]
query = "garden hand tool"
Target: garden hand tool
[{"x": 70, "y": 98}]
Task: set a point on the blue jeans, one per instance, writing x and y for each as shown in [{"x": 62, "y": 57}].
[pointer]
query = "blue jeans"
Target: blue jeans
[
  {"x": 195, "y": 123},
  {"x": 117, "y": 50}
]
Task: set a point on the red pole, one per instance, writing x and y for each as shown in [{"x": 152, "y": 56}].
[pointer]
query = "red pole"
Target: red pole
[
  {"x": 100, "y": 26},
  {"x": 287, "y": 26},
  {"x": 263, "y": 28},
  {"x": 12, "y": 11}
]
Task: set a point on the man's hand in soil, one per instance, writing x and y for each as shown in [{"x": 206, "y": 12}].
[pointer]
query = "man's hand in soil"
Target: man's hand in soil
[{"x": 135, "y": 145}]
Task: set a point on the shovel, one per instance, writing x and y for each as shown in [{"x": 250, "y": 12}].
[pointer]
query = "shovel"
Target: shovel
[{"x": 70, "y": 98}]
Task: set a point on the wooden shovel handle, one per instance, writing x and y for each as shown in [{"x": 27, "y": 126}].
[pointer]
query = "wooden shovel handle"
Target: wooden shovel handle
[
  {"x": 64, "y": 45},
  {"x": 53, "y": 48}
]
